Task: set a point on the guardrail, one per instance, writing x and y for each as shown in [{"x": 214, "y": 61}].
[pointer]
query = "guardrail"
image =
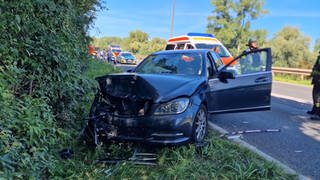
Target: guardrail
[{"x": 295, "y": 71}]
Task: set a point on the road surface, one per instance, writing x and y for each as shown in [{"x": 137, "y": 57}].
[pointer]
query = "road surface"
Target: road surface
[{"x": 298, "y": 143}]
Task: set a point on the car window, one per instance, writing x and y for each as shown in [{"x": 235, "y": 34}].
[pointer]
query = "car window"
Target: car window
[
  {"x": 209, "y": 66},
  {"x": 127, "y": 55},
  {"x": 170, "y": 47},
  {"x": 180, "y": 46},
  {"x": 175, "y": 63},
  {"x": 252, "y": 63},
  {"x": 217, "y": 60},
  {"x": 189, "y": 46},
  {"x": 215, "y": 47}
]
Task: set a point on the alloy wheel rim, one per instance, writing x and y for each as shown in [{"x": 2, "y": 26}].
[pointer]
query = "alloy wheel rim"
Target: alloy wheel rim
[{"x": 201, "y": 124}]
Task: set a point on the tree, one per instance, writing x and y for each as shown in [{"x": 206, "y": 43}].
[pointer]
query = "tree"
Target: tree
[
  {"x": 316, "y": 48},
  {"x": 136, "y": 40},
  {"x": 230, "y": 21},
  {"x": 290, "y": 48},
  {"x": 104, "y": 42},
  {"x": 260, "y": 36},
  {"x": 156, "y": 44}
]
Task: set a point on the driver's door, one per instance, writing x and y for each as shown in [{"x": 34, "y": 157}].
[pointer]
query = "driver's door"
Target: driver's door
[{"x": 250, "y": 90}]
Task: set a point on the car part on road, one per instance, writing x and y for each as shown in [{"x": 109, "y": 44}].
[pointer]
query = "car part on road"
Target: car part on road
[
  {"x": 138, "y": 158},
  {"x": 236, "y": 134},
  {"x": 66, "y": 153}
]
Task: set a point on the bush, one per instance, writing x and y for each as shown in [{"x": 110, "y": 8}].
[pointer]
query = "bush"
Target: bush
[{"x": 43, "y": 55}]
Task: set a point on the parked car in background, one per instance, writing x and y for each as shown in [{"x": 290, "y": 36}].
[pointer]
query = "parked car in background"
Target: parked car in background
[
  {"x": 166, "y": 99},
  {"x": 199, "y": 41},
  {"x": 126, "y": 58}
]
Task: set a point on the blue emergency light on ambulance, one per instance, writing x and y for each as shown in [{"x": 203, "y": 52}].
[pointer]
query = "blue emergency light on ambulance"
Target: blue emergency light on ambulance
[{"x": 200, "y": 34}]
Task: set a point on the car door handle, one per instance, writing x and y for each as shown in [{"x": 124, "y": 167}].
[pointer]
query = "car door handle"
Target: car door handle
[{"x": 261, "y": 79}]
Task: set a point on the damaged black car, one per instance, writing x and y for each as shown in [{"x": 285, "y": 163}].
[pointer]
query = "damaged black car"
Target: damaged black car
[{"x": 168, "y": 97}]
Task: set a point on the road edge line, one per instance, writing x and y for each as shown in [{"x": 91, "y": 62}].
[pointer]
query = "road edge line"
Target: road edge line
[
  {"x": 291, "y": 98},
  {"x": 289, "y": 83},
  {"x": 269, "y": 158}
]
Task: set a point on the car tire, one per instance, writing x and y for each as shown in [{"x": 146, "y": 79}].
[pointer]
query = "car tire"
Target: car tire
[{"x": 200, "y": 125}]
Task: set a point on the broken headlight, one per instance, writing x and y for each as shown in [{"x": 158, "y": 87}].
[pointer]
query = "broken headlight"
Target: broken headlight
[{"x": 173, "y": 107}]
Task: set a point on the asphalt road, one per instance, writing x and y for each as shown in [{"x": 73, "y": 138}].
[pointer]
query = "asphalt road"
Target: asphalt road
[{"x": 297, "y": 144}]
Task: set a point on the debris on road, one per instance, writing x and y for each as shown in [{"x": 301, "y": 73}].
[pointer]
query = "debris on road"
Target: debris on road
[
  {"x": 108, "y": 172},
  {"x": 66, "y": 153},
  {"x": 138, "y": 158},
  {"x": 236, "y": 134}
]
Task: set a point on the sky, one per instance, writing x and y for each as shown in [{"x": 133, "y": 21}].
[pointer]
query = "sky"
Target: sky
[{"x": 154, "y": 17}]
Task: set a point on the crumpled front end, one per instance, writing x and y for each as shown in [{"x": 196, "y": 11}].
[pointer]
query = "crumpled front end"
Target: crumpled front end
[{"x": 123, "y": 110}]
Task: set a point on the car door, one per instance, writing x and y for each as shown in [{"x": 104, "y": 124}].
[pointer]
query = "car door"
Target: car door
[{"x": 250, "y": 90}]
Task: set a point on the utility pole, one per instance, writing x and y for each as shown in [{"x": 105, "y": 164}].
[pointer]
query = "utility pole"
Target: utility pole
[{"x": 172, "y": 17}]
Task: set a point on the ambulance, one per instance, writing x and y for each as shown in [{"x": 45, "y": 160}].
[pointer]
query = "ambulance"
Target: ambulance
[
  {"x": 199, "y": 41},
  {"x": 113, "y": 52}
]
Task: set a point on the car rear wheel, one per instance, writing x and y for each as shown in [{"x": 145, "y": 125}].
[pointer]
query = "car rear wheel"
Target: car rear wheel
[{"x": 200, "y": 125}]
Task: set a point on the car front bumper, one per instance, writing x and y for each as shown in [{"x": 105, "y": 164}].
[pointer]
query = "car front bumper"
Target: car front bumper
[
  {"x": 124, "y": 61},
  {"x": 156, "y": 129}
]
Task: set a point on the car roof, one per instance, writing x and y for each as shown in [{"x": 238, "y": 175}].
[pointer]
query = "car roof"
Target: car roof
[{"x": 202, "y": 51}]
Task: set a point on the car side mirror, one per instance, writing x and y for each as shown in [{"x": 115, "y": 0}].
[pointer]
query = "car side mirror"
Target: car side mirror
[{"x": 226, "y": 74}]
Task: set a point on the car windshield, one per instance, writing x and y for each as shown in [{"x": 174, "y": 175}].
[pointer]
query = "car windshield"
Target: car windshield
[
  {"x": 173, "y": 63},
  {"x": 215, "y": 47},
  {"x": 127, "y": 55}
]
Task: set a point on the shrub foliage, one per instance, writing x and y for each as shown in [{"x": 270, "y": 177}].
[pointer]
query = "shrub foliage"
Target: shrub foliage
[{"x": 43, "y": 52}]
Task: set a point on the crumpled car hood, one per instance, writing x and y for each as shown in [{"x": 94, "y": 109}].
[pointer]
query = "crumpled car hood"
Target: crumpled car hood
[{"x": 155, "y": 87}]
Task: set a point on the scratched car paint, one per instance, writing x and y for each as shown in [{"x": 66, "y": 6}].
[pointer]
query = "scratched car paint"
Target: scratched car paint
[{"x": 166, "y": 99}]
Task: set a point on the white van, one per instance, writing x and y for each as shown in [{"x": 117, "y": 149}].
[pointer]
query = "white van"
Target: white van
[{"x": 199, "y": 41}]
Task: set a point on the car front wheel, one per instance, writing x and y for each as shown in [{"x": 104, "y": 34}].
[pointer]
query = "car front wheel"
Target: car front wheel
[{"x": 200, "y": 125}]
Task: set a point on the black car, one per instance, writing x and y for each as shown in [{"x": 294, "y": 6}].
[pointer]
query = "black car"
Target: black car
[{"x": 166, "y": 99}]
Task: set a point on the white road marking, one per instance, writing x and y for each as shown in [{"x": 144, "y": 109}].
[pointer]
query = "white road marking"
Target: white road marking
[
  {"x": 291, "y": 98},
  {"x": 281, "y": 82},
  {"x": 257, "y": 151}
]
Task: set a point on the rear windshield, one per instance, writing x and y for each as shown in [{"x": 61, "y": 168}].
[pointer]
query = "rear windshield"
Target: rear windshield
[{"x": 215, "y": 47}]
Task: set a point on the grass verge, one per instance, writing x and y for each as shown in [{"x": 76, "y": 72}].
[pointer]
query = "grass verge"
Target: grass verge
[
  {"x": 219, "y": 158},
  {"x": 292, "y": 79}
]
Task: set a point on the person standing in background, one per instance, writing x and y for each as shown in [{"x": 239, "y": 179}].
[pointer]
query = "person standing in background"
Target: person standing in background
[
  {"x": 252, "y": 45},
  {"x": 315, "y": 112}
]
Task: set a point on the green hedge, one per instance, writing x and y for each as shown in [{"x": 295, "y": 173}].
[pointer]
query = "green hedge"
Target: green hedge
[{"x": 43, "y": 54}]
